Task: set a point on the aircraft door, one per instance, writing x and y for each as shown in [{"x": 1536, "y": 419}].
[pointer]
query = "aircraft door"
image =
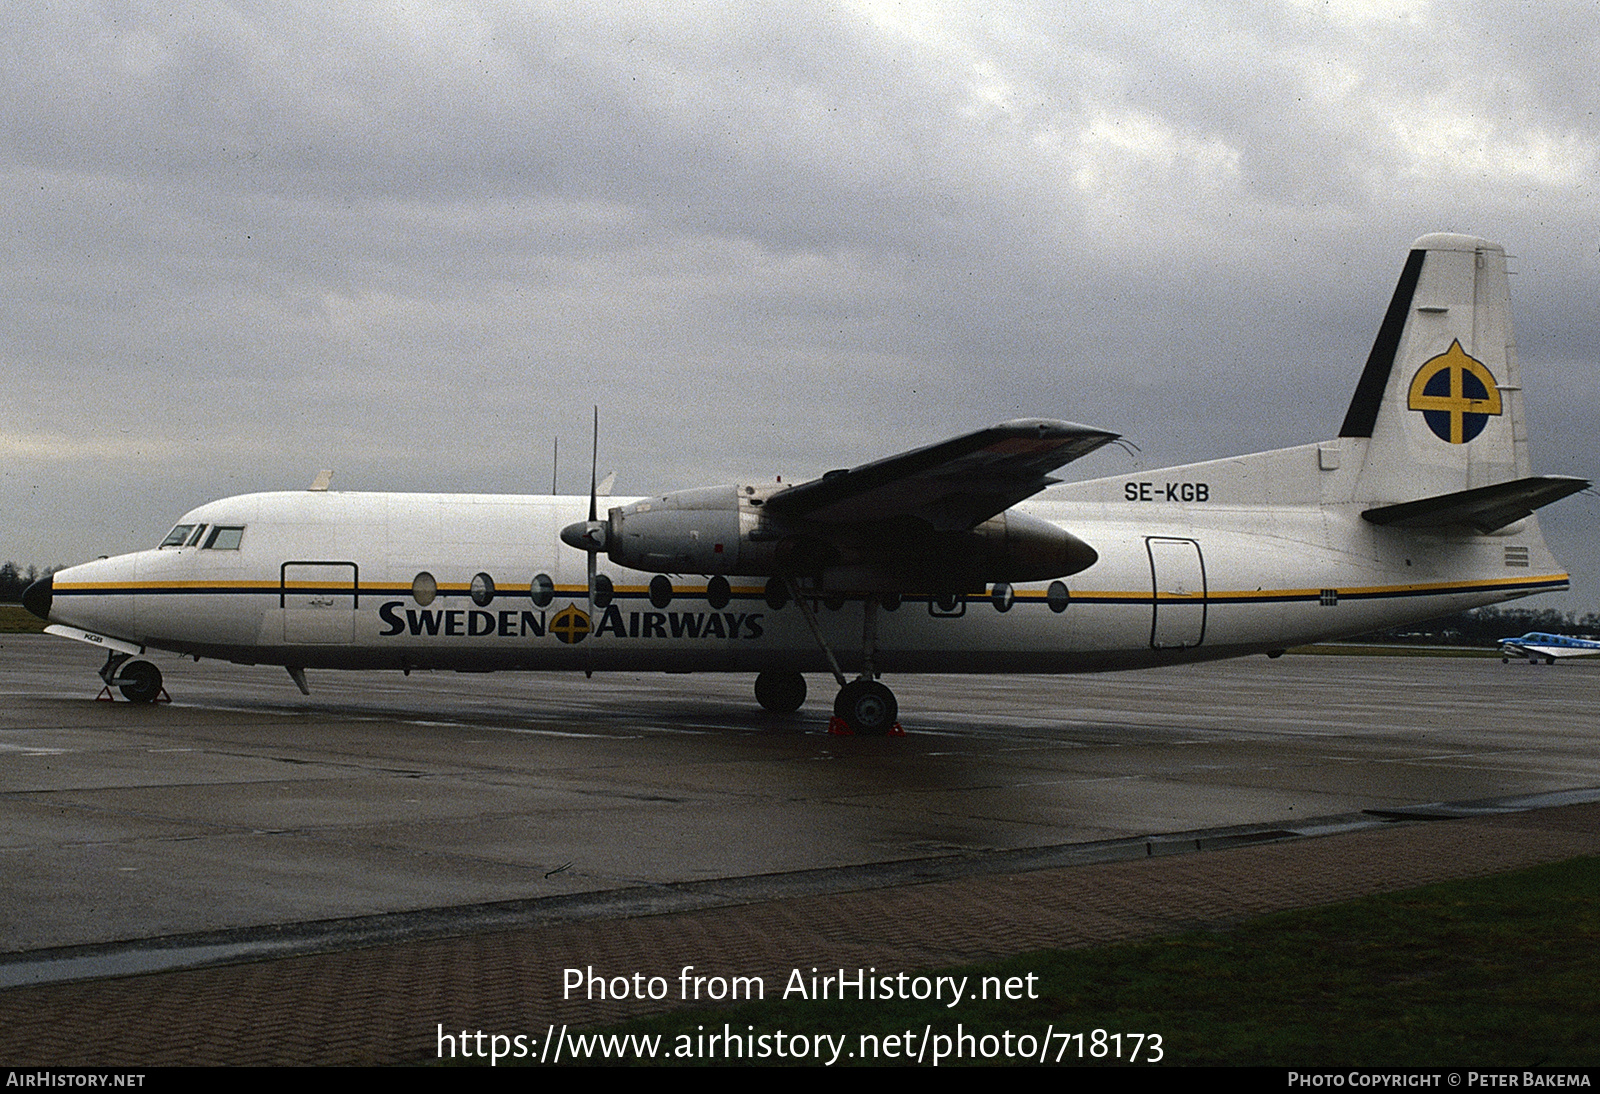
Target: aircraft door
[
  {"x": 1178, "y": 579},
  {"x": 319, "y": 602}
]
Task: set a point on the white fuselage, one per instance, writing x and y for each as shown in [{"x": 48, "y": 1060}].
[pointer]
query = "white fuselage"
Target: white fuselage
[{"x": 1193, "y": 565}]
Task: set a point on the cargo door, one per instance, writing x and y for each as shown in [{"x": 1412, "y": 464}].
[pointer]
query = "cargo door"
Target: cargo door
[
  {"x": 319, "y": 602},
  {"x": 1178, "y": 578}
]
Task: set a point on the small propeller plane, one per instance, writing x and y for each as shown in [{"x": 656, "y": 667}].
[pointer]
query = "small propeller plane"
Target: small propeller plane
[
  {"x": 1538, "y": 647},
  {"x": 965, "y": 556}
]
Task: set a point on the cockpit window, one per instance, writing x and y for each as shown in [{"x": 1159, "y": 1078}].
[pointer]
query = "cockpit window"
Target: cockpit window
[
  {"x": 224, "y": 538},
  {"x": 198, "y": 532},
  {"x": 178, "y": 536}
]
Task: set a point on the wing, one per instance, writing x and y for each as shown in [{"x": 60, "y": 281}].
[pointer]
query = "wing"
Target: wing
[{"x": 953, "y": 485}]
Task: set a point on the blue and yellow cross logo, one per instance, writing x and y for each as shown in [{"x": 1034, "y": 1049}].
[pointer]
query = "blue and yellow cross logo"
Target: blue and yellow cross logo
[
  {"x": 1456, "y": 395},
  {"x": 570, "y": 625}
]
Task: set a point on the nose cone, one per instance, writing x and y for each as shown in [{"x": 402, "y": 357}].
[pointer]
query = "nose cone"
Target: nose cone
[{"x": 39, "y": 596}]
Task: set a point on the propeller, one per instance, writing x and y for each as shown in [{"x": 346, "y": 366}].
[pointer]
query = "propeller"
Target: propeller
[
  {"x": 594, "y": 533},
  {"x": 590, "y": 536}
]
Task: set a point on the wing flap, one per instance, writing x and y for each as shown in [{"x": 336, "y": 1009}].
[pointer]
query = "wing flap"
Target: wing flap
[
  {"x": 952, "y": 485},
  {"x": 1485, "y": 508}
]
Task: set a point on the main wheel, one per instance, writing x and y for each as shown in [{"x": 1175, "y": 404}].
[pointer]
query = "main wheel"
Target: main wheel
[
  {"x": 867, "y": 707},
  {"x": 780, "y": 692},
  {"x": 139, "y": 682}
]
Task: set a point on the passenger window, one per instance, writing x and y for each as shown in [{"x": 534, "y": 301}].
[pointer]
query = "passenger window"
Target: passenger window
[
  {"x": 481, "y": 590},
  {"x": 178, "y": 536},
  {"x": 424, "y": 588},
  {"x": 224, "y": 539},
  {"x": 543, "y": 591}
]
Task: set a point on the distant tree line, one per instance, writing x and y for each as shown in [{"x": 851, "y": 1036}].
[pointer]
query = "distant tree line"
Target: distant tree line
[
  {"x": 1486, "y": 626},
  {"x": 14, "y": 579}
]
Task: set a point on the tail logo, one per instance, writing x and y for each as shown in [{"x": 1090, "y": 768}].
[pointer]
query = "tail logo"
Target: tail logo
[{"x": 1456, "y": 395}]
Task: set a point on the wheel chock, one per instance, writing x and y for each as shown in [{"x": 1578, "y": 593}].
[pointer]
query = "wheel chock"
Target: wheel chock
[
  {"x": 105, "y": 696},
  {"x": 838, "y": 727}
]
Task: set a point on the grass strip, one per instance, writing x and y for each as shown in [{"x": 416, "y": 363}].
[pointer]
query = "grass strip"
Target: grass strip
[{"x": 1500, "y": 971}]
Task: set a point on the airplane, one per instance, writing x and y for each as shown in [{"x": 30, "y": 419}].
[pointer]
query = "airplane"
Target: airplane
[
  {"x": 1547, "y": 647},
  {"x": 966, "y": 556}
]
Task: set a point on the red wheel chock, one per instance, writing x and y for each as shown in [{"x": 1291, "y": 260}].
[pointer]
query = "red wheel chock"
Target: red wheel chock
[{"x": 837, "y": 727}]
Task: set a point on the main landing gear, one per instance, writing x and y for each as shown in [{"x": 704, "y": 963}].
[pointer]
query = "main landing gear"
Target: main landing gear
[
  {"x": 863, "y": 705},
  {"x": 139, "y": 681},
  {"x": 780, "y": 692},
  {"x": 866, "y": 707}
]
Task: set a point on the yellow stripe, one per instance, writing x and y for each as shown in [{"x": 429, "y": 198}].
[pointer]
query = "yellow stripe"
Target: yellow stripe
[
  {"x": 1262, "y": 594},
  {"x": 113, "y": 586}
]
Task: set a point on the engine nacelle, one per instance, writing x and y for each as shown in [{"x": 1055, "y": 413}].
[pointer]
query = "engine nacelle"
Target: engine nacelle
[
  {"x": 909, "y": 556},
  {"x": 721, "y": 530},
  {"x": 690, "y": 531},
  {"x": 1014, "y": 547}
]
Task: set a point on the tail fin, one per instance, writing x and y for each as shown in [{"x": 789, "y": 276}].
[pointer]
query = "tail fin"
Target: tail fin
[{"x": 1440, "y": 401}]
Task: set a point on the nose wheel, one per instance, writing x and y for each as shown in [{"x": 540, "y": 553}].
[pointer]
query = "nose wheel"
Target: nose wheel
[{"x": 139, "y": 682}]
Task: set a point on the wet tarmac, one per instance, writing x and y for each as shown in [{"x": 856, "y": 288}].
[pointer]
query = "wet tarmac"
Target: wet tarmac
[{"x": 243, "y": 805}]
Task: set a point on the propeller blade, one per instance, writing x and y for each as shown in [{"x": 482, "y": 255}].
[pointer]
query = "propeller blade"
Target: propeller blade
[{"x": 594, "y": 553}]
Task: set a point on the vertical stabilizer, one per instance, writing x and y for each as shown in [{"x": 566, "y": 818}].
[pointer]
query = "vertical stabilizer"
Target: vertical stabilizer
[{"x": 1441, "y": 396}]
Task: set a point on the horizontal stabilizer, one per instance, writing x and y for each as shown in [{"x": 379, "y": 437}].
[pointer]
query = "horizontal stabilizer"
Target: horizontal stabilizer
[{"x": 1485, "y": 508}]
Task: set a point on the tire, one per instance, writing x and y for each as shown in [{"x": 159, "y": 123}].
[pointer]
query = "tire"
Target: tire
[
  {"x": 780, "y": 692},
  {"x": 867, "y": 707},
  {"x": 139, "y": 682}
]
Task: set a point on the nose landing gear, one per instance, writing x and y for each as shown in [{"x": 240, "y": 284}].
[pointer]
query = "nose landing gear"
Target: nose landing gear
[{"x": 139, "y": 681}]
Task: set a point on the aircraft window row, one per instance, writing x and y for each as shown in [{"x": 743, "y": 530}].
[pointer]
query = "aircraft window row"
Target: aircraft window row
[
  {"x": 542, "y": 590},
  {"x": 223, "y": 538},
  {"x": 482, "y": 590}
]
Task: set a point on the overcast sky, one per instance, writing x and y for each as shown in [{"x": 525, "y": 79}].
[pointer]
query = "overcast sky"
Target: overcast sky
[{"x": 414, "y": 242}]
